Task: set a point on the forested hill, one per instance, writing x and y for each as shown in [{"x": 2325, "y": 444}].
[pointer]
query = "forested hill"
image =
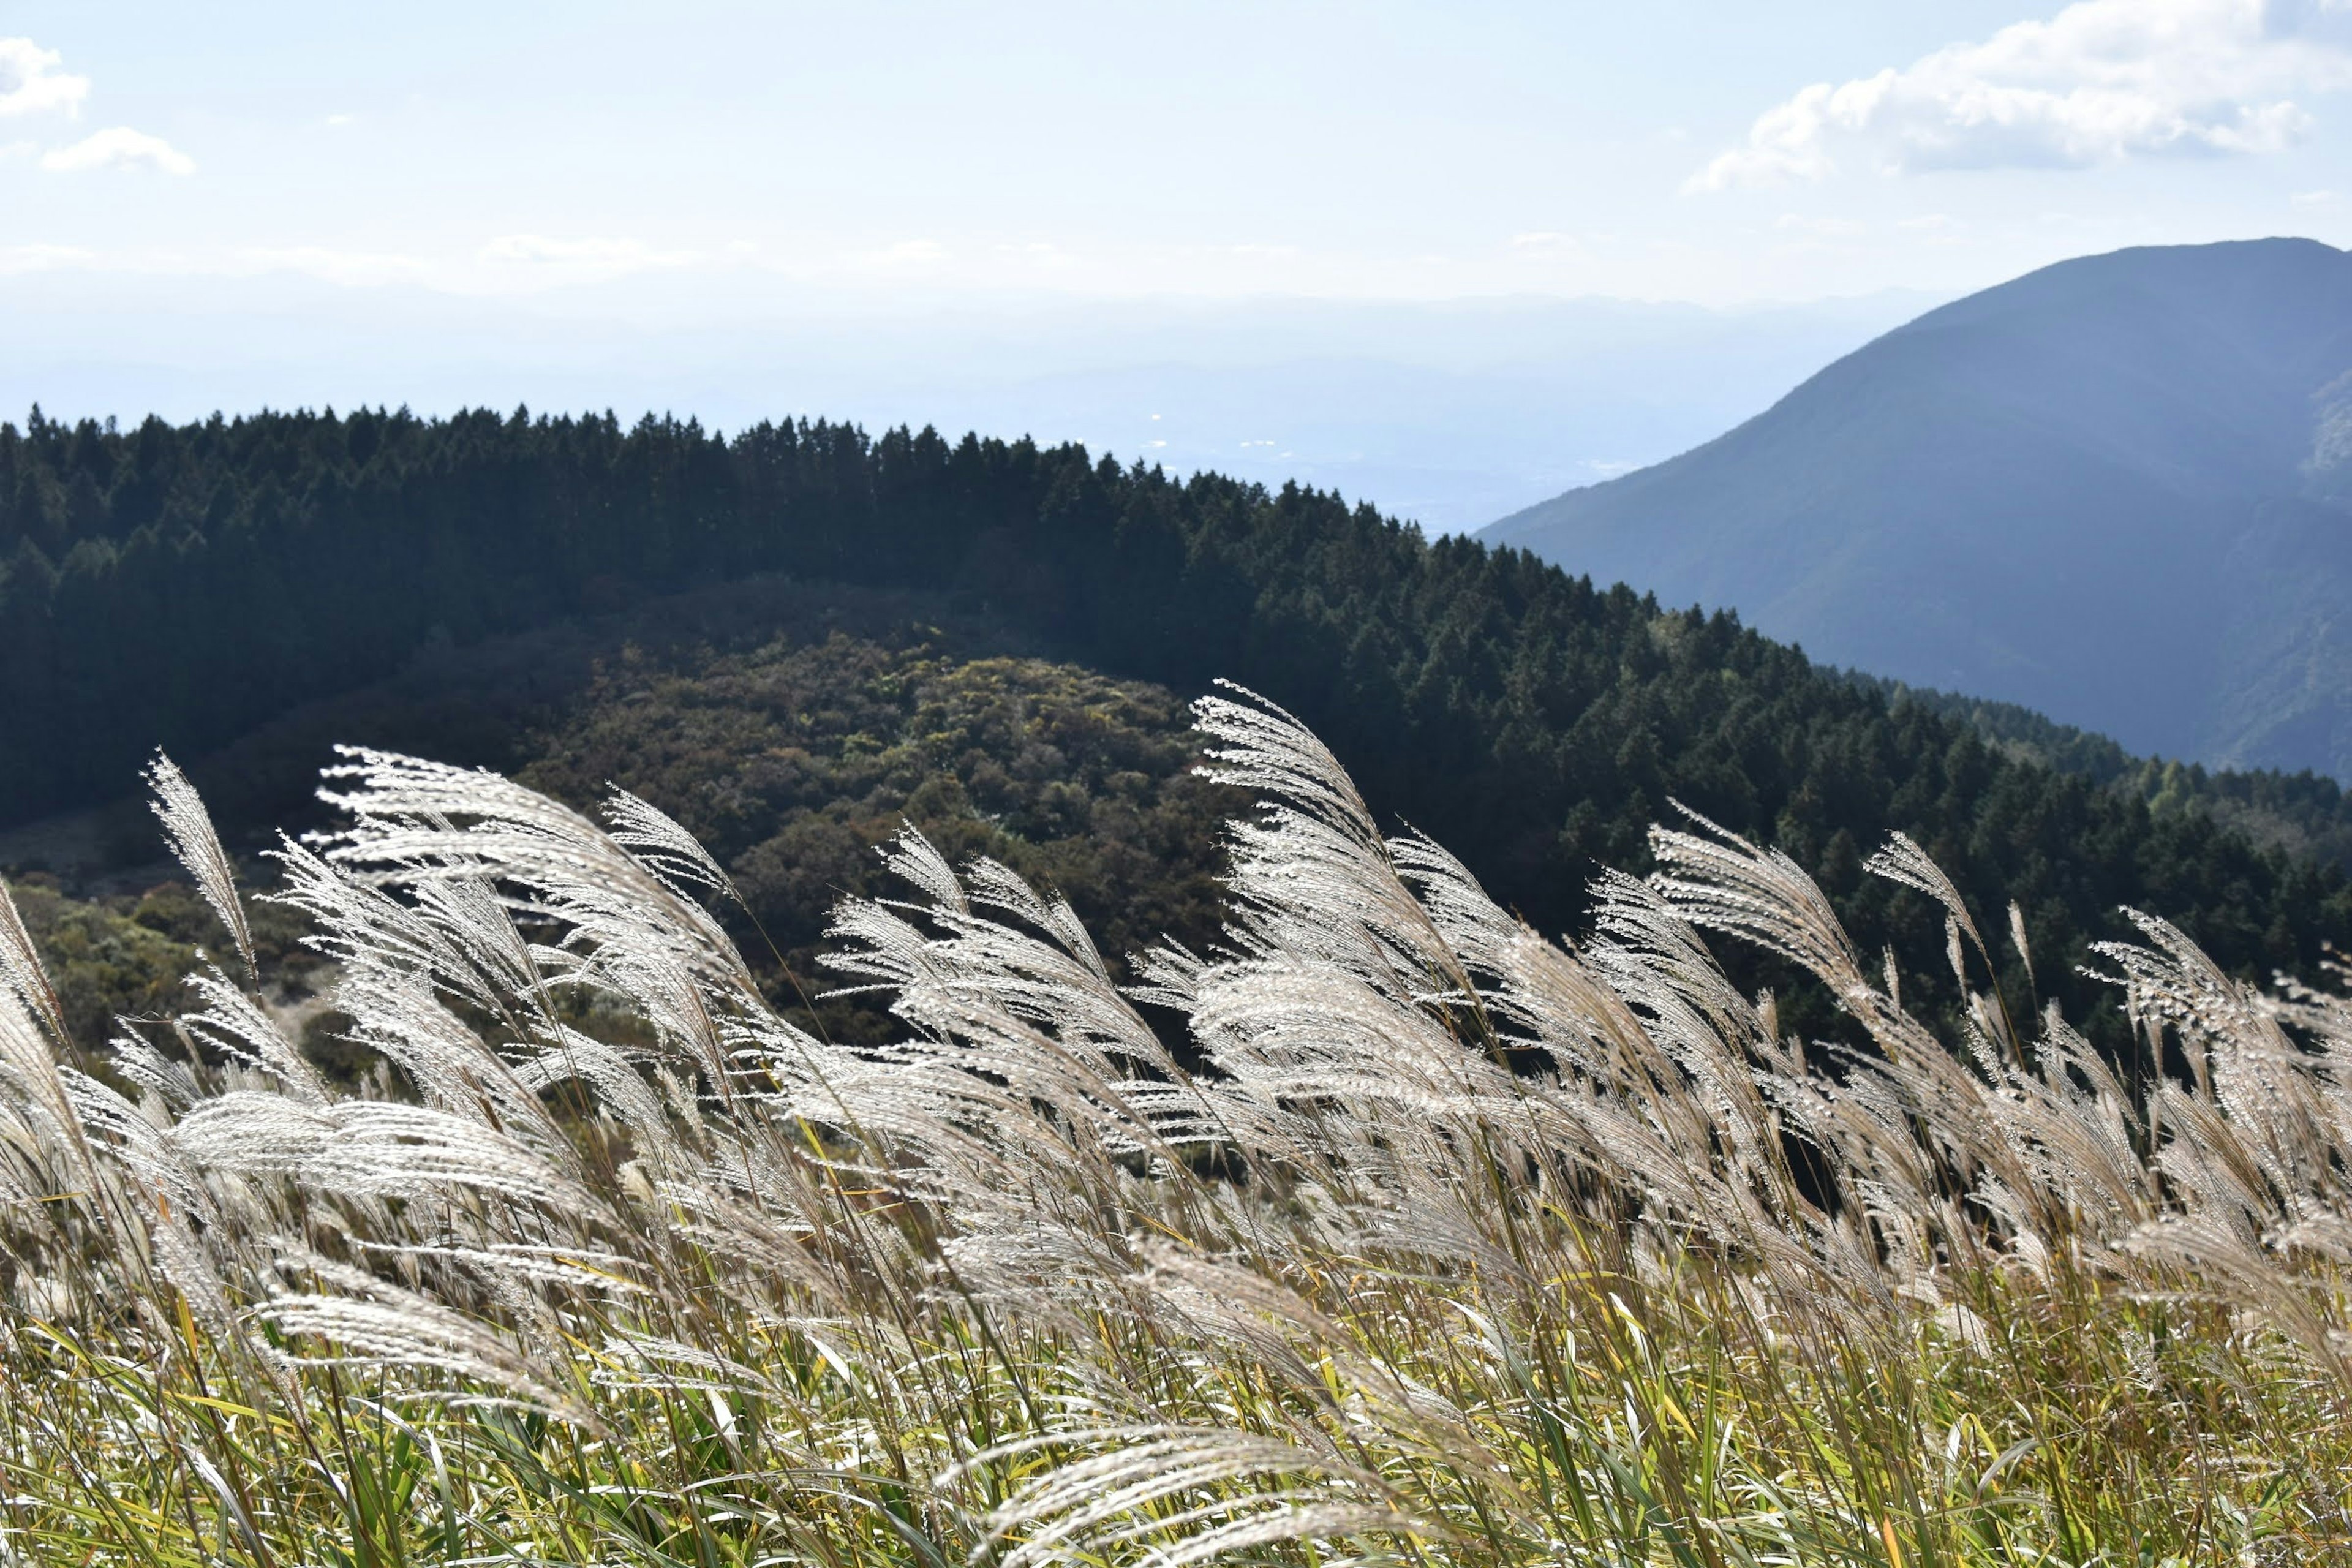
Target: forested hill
[
  {"x": 2305, "y": 813},
  {"x": 178, "y": 585}
]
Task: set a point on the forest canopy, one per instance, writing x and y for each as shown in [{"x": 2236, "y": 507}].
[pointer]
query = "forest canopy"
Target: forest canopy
[{"x": 180, "y": 585}]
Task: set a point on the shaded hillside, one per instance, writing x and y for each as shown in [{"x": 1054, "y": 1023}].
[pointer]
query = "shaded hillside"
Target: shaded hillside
[
  {"x": 1535, "y": 723},
  {"x": 2113, "y": 490}
]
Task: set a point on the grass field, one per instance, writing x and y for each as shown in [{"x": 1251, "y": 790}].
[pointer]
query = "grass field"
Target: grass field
[{"x": 1386, "y": 1230}]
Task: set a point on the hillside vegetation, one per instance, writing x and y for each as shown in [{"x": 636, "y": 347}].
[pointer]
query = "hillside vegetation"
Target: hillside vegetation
[
  {"x": 797, "y": 765},
  {"x": 2116, "y": 490},
  {"x": 1441, "y": 1243},
  {"x": 183, "y": 586}
]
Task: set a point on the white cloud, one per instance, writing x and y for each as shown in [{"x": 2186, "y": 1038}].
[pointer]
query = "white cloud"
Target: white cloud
[
  {"x": 907, "y": 254},
  {"x": 1040, "y": 254},
  {"x": 17, "y": 258},
  {"x": 119, "y": 148},
  {"x": 2314, "y": 198},
  {"x": 353, "y": 269},
  {"x": 603, "y": 257},
  {"x": 2101, "y": 81},
  {"x": 1824, "y": 228},
  {"x": 31, "y": 83},
  {"x": 1547, "y": 242}
]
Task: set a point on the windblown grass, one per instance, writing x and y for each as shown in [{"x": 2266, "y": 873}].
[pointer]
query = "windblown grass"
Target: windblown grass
[{"x": 1441, "y": 1242}]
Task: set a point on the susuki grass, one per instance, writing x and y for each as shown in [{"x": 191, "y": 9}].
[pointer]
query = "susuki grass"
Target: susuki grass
[{"x": 1431, "y": 1240}]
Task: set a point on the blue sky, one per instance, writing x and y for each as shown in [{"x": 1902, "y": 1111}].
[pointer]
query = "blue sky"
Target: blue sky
[{"x": 193, "y": 196}]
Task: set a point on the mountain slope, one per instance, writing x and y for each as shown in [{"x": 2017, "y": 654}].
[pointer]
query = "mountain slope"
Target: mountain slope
[{"x": 2113, "y": 490}]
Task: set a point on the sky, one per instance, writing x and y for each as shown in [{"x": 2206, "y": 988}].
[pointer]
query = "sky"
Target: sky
[{"x": 1060, "y": 215}]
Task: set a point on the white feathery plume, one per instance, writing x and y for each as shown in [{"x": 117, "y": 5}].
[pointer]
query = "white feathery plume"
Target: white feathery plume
[
  {"x": 618, "y": 1083},
  {"x": 405, "y": 831},
  {"x": 376, "y": 1324},
  {"x": 364, "y": 929},
  {"x": 188, "y": 827},
  {"x": 1094, "y": 1505},
  {"x": 33, "y": 1095},
  {"x": 150, "y": 1154},
  {"x": 1720, "y": 881},
  {"x": 1904, "y": 862},
  {"x": 233, "y": 1024},
  {"x": 1311, "y": 878},
  {"x": 21, "y": 969},
  {"x": 664, "y": 847},
  {"x": 374, "y": 1148},
  {"x": 140, "y": 1064},
  {"x": 181, "y": 1258},
  {"x": 450, "y": 1067}
]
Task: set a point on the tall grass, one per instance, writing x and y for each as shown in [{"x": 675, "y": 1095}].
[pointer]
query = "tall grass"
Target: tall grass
[{"x": 1439, "y": 1242}]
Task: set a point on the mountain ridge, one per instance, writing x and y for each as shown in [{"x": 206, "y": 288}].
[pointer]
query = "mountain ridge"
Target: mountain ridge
[{"x": 2111, "y": 490}]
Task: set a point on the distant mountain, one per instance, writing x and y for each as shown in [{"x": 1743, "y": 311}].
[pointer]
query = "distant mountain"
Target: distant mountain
[{"x": 2118, "y": 491}]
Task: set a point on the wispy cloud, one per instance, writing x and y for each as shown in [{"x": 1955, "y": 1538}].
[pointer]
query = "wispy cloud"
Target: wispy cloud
[
  {"x": 1547, "y": 242},
  {"x": 2102, "y": 82},
  {"x": 118, "y": 148},
  {"x": 1818, "y": 227},
  {"x": 596, "y": 257},
  {"x": 31, "y": 81},
  {"x": 353, "y": 269},
  {"x": 18, "y": 258},
  {"x": 909, "y": 253}
]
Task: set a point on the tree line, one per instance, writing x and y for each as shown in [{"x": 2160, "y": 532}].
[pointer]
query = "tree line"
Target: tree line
[{"x": 175, "y": 586}]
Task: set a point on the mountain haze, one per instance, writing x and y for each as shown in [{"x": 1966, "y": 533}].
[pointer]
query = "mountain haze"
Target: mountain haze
[{"x": 2117, "y": 489}]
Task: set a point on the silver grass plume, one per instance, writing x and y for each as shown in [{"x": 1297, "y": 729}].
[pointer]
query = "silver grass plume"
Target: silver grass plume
[
  {"x": 375, "y": 1324},
  {"x": 21, "y": 969},
  {"x": 664, "y": 847},
  {"x": 1095, "y": 1505},
  {"x": 188, "y": 827}
]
